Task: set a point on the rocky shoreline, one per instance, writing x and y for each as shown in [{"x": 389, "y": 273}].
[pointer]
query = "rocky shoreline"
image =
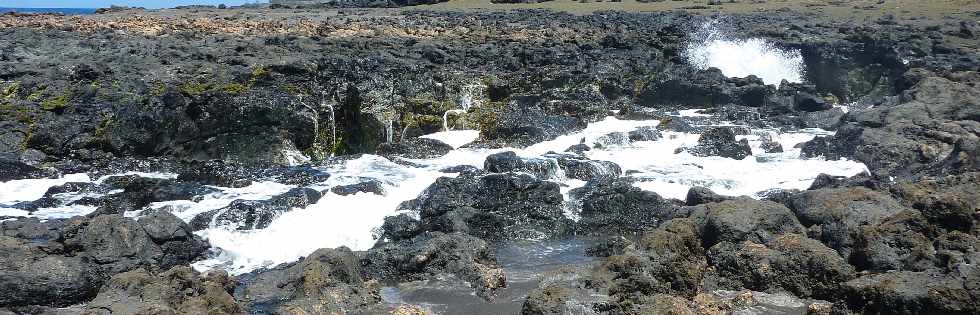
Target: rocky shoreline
[{"x": 124, "y": 111}]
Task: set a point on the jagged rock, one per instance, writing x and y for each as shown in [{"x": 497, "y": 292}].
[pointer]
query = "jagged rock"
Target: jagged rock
[
  {"x": 839, "y": 213},
  {"x": 901, "y": 242},
  {"x": 612, "y": 139},
  {"x": 947, "y": 201},
  {"x": 370, "y": 186},
  {"x": 721, "y": 142},
  {"x": 415, "y": 148},
  {"x": 509, "y": 162},
  {"x": 703, "y": 89},
  {"x": 70, "y": 268},
  {"x": 824, "y": 119},
  {"x": 670, "y": 260},
  {"x": 700, "y": 195},
  {"x": 908, "y": 137},
  {"x": 180, "y": 290},
  {"x": 525, "y": 121},
  {"x": 618, "y": 207},
  {"x": 791, "y": 262},
  {"x": 645, "y": 134},
  {"x": 578, "y": 148},
  {"x": 743, "y": 219},
  {"x": 810, "y": 103},
  {"x": 769, "y": 145},
  {"x": 33, "y": 277},
  {"x": 256, "y": 214},
  {"x": 910, "y": 292},
  {"x": 493, "y": 207},
  {"x": 585, "y": 169},
  {"x": 11, "y": 169},
  {"x": 217, "y": 173},
  {"x": 432, "y": 253},
  {"x": 326, "y": 281}
]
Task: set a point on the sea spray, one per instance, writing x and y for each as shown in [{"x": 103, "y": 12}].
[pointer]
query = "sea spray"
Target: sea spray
[{"x": 736, "y": 57}]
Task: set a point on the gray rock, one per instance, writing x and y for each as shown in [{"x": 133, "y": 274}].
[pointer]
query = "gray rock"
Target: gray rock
[
  {"x": 431, "y": 254},
  {"x": 742, "y": 219},
  {"x": 790, "y": 262},
  {"x": 327, "y": 281},
  {"x": 840, "y": 213},
  {"x": 618, "y": 207},
  {"x": 180, "y": 290},
  {"x": 721, "y": 142}
]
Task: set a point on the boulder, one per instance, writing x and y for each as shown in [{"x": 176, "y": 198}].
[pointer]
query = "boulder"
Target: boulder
[
  {"x": 577, "y": 167},
  {"x": 947, "y": 201},
  {"x": 11, "y": 169},
  {"x": 415, "y": 148},
  {"x": 494, "y": 207},
  {"x": 256, "y": 214},
  {"x": 836, "y": 215},
  {"x": 612, "y": 139},
  {"x": 721, "y": 142},
  {"x": 180, "y": 290},
  {"x": 742, "y": 219},
  {"x": 700, "y": 195},
  {"x": 326, "y": 281},
  {"x": 824, "y": 119},
  {"x": 432, "y": 254},
  {"x": 217, "y": 173},
  {"x": 618, "y": 207},
  {"x": 769, "y": 145},
  {"x": 900, "y": 242},
  {"x": 32, "y": 276},
  {"x": 916, "y": 292},
  {"x": 790, "y": 262},
  {"x": 807, "y": 102},
  {"x": 371, "y": 186},
  {"x": 64, "y": 262},
  {"x": 508, "y": 161},
  {"x": 526, "y": 120},
  {"x": 645, "y": 134},
  {"x": 669, "y": 260}
]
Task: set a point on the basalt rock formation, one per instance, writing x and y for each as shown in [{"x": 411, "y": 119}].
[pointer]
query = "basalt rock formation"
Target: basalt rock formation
[{"x": 225, "y": 100}]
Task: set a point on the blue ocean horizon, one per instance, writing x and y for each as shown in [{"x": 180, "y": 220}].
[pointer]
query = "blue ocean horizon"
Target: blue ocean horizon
[{"x": 66, "y": 11}]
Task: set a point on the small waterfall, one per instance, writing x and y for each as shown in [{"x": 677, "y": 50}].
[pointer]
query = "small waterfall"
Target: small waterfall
[
  {"x": 333, "y": 127},
  {"x": 389, "y": 129}
]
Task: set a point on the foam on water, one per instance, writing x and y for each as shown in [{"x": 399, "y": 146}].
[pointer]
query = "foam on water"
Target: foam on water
[
  {"x": 32, "y": 189},
  {"x": 333, "y": 221},
  {"x": 744, "y": 57},
  {"x": 353, "y": 220},
  {"x": 188, "y": 209},
  {"x": 16, "y": 191},
  {"x": 454, "y": 138}
]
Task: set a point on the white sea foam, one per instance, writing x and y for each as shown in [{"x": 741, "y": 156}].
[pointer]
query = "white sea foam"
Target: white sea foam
[
  {"x": 454, "y": 138},
  {"x": 352, "y": 220},
  {"x": 188, "y": 209},
  {"x": 32, "y": 189},
  {"x": 744, "y": 57},
  {"x": 333, "y": 221}
]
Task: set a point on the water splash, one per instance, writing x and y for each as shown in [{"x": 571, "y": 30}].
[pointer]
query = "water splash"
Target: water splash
[
  {"x": 445, "y": 118},
  {"x": 743, "y": 57}
]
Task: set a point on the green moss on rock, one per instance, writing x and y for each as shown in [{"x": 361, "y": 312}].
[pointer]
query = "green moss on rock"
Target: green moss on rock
[{"x": 57, "y": 103}]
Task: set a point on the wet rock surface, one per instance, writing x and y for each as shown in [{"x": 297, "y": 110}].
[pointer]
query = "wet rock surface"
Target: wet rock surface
[
  {"x": 494, "y": 207},
  {"x": 611, "y": 208},
  {"x": 328, "y": 280},
  {"x": 721, "y": 142},
  {"x": 65, "y": 262}
]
